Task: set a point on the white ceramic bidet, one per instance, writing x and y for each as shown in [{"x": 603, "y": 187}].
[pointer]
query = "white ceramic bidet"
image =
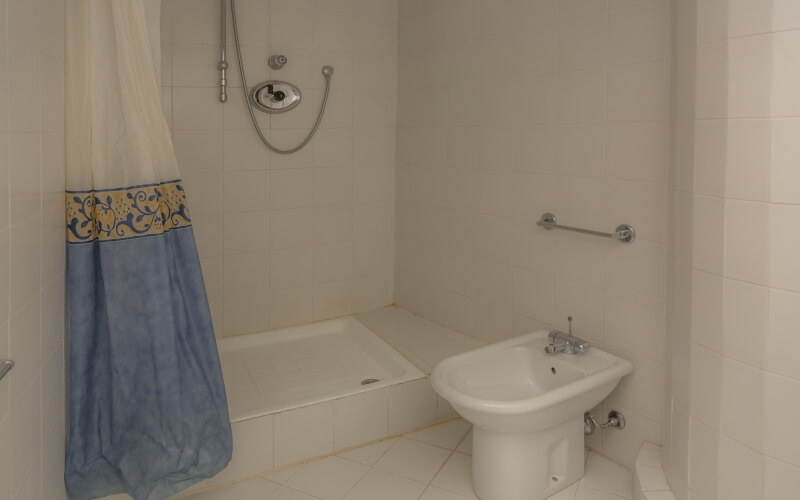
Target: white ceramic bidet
[{"x": 526, "y": 407}]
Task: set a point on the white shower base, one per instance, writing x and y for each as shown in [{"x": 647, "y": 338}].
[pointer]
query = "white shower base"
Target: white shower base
[{"x": 280, "y": 370}]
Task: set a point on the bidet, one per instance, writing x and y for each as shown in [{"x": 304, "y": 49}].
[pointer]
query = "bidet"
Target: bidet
[{"x": 527, "y": 408}]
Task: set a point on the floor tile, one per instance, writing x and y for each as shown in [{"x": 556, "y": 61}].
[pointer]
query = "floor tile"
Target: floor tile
[
  {"x": 587, "y": 494},
  {"x": 567, "y": 493},
  {"x": 329, "y": 479},
  {"x": 604, "y": 475},
  {"x": 284, "y": 493},
  {"x": 379, "y": 485},
  {"x": 369, "y": 454},
  {"x": 434, "y": 493},
  {"x": 466, "y": 444},
  {"x": 456, "y": 475},
  {"x": 446, "y": 435},
  {"x": 282, "y": 476},
  {"x": 414, "y": 460},
  {"x": 256, "y": 489}
]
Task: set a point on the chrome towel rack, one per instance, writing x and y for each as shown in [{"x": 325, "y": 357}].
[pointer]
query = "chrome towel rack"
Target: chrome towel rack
[
  {"x": 625, "y": 233},
  {"x": 5, "y": 366}
]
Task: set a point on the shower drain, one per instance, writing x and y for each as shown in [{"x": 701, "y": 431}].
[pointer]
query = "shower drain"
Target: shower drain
[{"x": 368, "y": 381}]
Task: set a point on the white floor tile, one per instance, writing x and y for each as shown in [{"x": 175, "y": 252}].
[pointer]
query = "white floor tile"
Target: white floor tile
[
  {"x": 284, "y": 493},
  {"x": 456, "y": 475},
  {"x": 466, "y": 444},
  {"x": 434, "y": 493},
  {"x": 587, "y": 494},
  {"x": 446, "y": 435},
  {"x": 603, "y": 475},
  {"x": 282, "y": 476},
  {"x": 379, "y": 485},
  {"x": 567, "y": 493},
  {"x": 256, "y": 489},
  {"x": 329, "y": 479},
  {"x": 414, "y": 460},
  {"x": 369, "y": 454}
]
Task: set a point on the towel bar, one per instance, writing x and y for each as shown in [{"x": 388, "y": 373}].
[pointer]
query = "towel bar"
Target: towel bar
[
  {"x": 624, "y": 232},
  {"x": 5, "y": 366}
]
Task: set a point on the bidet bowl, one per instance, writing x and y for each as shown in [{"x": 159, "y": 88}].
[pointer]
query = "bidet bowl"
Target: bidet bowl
[{"x": 526, "y": 407}]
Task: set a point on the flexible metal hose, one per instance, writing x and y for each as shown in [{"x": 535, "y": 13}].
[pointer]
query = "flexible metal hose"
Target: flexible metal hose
[{"x": 327, "y": 71}]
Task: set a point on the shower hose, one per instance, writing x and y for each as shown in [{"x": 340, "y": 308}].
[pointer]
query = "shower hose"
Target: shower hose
[{"x": 327, "y": 71}]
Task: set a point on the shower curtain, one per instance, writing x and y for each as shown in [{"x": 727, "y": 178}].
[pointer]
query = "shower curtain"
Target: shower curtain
[{"x": 147, "y": 406}]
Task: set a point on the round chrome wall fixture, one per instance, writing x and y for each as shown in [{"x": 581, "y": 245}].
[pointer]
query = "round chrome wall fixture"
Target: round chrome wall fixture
[{"x": 275, "y": 96}]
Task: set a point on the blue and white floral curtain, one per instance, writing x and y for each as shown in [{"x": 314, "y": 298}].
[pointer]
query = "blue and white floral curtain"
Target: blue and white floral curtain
[{"x": 147, "y": 406}]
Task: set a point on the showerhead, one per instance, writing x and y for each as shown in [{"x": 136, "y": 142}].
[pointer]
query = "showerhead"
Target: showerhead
[{"x": 327, "y": 70}]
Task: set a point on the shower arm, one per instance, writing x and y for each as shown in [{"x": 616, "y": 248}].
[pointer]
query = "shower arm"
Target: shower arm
[{"x": 223, "y": 63}]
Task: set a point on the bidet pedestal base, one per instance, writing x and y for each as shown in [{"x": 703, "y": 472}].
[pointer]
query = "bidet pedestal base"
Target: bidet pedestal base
[{"x": 527, "y": 466}]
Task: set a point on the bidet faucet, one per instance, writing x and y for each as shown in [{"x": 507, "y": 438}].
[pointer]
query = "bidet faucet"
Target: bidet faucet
[{"x": 566, "y": 342}]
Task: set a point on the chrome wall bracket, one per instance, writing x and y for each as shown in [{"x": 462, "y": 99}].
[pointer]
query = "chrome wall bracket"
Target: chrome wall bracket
[
  {"x": 615, "y": 421},
  {"x": 625, "y": 233},
  {"x": 5, "y": 366}
]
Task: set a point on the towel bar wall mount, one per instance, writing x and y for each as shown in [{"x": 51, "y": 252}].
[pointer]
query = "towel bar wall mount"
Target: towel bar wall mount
[
  {"x": 5, "y": 366},
  {"x": 625, "y": 233}
]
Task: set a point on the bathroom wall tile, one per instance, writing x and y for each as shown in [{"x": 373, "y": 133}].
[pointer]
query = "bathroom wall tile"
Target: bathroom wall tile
[
  {"x": 204, "y": 192},
  {"x": 581, "y": 42},
  {"x": 193, "y": 65},
  {"x": 643, "y": 393},
  {"x": 747, "y": 244},
  {"x": 25, "y": 252},
  {"x": 781, "y": 409},
  {"x": 304, "y": 433},
  {"x": 253, "y": 449},
  {"x": 198, "y": 151},
  {"x": 243, "y": 150},
  {"x": 639, "y": 92},
  {"x": 784, "y": 271},
  {"x": 411, "y": 405},
  {"x": 779, "y": 347},
  {"x": 245, "y": 232},
  {"x": 360, "y": 418},
  {"x": 749, "y": 80},
  {"x": 195, "y": 21},
  {"x": 636, "y": 150},
  {"x": 641, "y": 204},
  {"x": 581, "y": 96},
  {"x": 332, "y": 300},
  {"x": 291, "y": 306},
  {"x": 741, "y": 471},
  {"x": 785, "y": 75},
  {"x": 707, "y": 296},
  {"x": 747, "y": 172},
  {"x": 712, "y": 85},
  {"x": 634, "y": 324},
  {"x": 573, "y": 8},
  {"x": 246, "y": 191},
  {"x": 291, "y": 188},
  {"x": 708, "y": 234},
  {"x": 745, "y": 318},
  {"x": 638, "y": 33},
  {"x": 245, "y": 273},
  {"x": 24, "y": 162},
  {"x": 245, "y": 313},
  {"x": 781, "y": 480},
  {"x": 196, "y": 108},
  {"x": 208, "y": 233},
  {"x": 291, "y": 228},
  {"x": 784, "y": 154}
]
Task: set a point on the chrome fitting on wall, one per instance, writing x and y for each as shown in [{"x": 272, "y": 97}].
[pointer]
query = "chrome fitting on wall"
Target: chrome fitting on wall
[{"x": 615, "y": 420}]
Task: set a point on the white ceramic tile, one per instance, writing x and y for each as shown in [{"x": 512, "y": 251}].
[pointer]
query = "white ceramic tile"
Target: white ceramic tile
[
  {"x": 781, "y": 480},
  {"x": 603, "y": 475},
  {"x": 456, "y": 475},
  {"x": 360, "y": 418},
  {"x": 784, "y": 272},
  {"x": 411, "y": 405},
  {"x": 303, "y": 433},
  {"x": 329, "y": 478},
  {"x": 749, "y": 80},
  {"x": 255, "y": 489},
  {"x": 368, "y": 454},
  {"x": 284, "y": 493},
  {"x": 253, "y": 443},
  {"x": 386, "y": 486},
  {"x": 414, "y": 460},
  {"x": 447, "y": 435},
  {"x": 434, "y": 493}
]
